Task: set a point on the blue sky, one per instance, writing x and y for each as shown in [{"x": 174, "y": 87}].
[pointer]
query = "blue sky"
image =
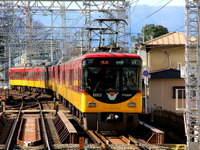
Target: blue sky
[{"x": 160, "y": 2}]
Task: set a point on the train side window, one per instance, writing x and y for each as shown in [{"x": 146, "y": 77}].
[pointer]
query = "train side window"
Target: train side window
[
  {"x": 28, "y": 77},
  {"x": 70, "y": 77},
  {"x": 79, "y": 78},
  {"x": 75, "y": 78},
  {"x": 31, "y": 75},
  {"x": 59, "y": 73},
  {"x": 14, "y": 77},
  {"x": 50, "y": 74},
  {"x": 22, "y": 75},
  {"x": 66, "y": 76},
  {"x": 39, "y": 76},
  {"x": 42, "y": 76},
  {"x": 17, "y": 75},
  {"x": 34, "y": 75},
  {"x": 63, "y": 75},
  {"x": 25, "y": 75}
]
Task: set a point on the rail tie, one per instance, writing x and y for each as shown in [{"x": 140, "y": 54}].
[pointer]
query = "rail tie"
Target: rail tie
[
  {"x": 65, "y": 129},
  {"x": 157, "y": 136}
]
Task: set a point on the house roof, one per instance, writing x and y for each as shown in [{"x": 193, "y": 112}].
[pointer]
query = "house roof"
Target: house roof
[
  {"x": 172, "y": 38},
  {"x": 166, "y": 74}
]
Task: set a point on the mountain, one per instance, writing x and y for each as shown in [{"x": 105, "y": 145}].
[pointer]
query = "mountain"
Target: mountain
[{"x": 171, "y": 17}]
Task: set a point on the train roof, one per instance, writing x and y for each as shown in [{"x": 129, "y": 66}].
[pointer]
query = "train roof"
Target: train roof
[
  {"x": 29, "y": 65},
  {"x": 38, "y": 65},
  {"x": 52, "y": 63},
  {"x": 110, "y": 55}
]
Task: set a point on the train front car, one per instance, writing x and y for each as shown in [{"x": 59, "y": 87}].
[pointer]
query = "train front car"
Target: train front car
[{"x": 113, "y": 84}]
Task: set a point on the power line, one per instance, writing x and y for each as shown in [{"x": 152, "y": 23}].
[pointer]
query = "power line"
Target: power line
[
  {"x": 134, "y": 7},
  {"x": 152, "y": 13},
  {"x": 180, "y": 28},
  {"x": 146, "y": 9}
]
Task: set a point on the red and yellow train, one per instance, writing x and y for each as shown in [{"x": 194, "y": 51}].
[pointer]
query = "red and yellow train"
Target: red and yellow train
[{"x": 102, "y": 89}]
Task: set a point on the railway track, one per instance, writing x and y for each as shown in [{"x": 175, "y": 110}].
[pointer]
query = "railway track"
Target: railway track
[
  {"x": 14, "y": 127},
  {"x": 114, "y": 141},
  {"x": 61, "y": 130},
  {"x": 35, "y": 128},
  {"x": 111, "y": 140},
  {"x": 30, "y": 128}
]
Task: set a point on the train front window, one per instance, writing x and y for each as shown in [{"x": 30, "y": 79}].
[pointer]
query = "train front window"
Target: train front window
[
  {"x": 130, "y": 79},
  {"x": 102, "y": 78},
  {"x": 111, "y": 78}
]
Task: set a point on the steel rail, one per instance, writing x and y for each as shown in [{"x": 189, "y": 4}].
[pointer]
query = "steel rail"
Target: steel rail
[
  {"x": 10, "y": 137},
  {"x": 43, "y": 123}
]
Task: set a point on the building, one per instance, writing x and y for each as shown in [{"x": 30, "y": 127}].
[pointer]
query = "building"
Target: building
[{"x": 165, "y": 57}]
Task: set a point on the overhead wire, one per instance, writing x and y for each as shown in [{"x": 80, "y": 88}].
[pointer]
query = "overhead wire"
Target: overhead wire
[
  {"x": 134, "y": 7},
  {"x": 152, "y": 13},
  {"x": 145, "y": 9},
  {"x": 180, "y": 28}
]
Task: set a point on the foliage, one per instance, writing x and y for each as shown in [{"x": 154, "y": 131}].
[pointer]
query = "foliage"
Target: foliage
[
  {"x": 114, "y": 44},
  {"x": 148, "y": 32}
]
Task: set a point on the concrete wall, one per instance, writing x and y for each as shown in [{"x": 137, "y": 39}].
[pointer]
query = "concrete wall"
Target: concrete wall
[
  {"x": 161, "y": 92},
  {"x": 164, "y": 57}
]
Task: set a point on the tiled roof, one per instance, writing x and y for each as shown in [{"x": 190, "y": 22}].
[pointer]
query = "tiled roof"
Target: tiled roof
[{"x": 172, "y": 38}]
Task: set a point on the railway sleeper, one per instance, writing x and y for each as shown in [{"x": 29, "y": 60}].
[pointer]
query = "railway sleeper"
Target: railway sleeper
[
  {"x": 155, "y": 135},
  {"x": 65, "y": 129}
]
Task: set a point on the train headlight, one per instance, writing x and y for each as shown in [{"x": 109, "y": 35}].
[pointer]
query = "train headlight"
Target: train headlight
[
  {"x": 131, "y": 104},
  {"x": 92, "y": 104}
]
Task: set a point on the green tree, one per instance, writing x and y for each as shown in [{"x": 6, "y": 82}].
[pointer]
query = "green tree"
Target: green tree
[
  {"x": 148, "y": 32},
  {"x": 114, "y": 44}
]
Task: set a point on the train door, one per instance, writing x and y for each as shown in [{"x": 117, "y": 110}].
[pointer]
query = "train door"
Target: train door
[
  {"x": 46, "y": 77},
  {"x": 53, "y": 81},
  {"x": 57, "y": 79}
]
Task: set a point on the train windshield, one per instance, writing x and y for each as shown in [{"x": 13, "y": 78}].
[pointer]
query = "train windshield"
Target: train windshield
[{"x": 112, "y": 78}]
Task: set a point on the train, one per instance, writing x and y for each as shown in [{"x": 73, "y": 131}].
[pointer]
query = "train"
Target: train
[{"x": 102, "y": 89}]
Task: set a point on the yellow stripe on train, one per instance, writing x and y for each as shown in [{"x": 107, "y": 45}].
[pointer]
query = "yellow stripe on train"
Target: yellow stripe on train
[
  {"x": 30, "y": 83},
  {"x": 86, "y": 103}
]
